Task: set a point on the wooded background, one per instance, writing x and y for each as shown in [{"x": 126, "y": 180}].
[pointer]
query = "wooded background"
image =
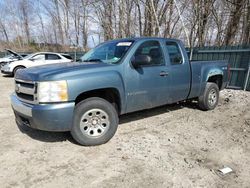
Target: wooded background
[{"x": 29, "y": 25}]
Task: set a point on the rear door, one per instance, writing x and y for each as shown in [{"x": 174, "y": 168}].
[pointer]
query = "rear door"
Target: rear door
[
  {"x": 148, "y": 85},
  {"x": 180, "y": 72}
]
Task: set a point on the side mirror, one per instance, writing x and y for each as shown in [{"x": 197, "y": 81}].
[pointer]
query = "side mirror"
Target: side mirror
[{"x": 140, "y": 60}]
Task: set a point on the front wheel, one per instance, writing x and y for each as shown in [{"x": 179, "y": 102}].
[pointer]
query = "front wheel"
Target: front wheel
[
  {"x": 210, "y": 97},
  {"x": 95, "y": 122}
]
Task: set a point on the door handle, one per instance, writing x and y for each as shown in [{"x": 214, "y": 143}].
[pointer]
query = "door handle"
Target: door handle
[{"x": 163, "y": 73}]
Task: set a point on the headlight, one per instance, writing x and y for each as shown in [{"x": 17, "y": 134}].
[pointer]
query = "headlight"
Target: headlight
[
  {"x": 53, "y": 91},
  {"x": 6, "y": 67}
]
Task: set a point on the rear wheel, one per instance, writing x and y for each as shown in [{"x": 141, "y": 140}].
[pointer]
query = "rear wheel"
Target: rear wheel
[
  {"x": 95, "y": 122},
  {"x": 210, "y": 97}
]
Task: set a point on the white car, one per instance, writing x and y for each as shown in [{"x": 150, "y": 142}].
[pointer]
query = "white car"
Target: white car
[{"x": 36, "y": 59}]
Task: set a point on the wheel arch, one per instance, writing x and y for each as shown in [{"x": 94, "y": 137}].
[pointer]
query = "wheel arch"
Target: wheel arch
[
  {"x": 19, "y": 66},
  {"x": 16, "y": 68},
  {"x": 112, "y": 95},
  {"x": 217, "y": 79}
]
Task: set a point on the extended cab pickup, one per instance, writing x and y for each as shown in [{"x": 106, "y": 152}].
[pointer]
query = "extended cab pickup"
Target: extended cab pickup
[{"x": 117, "y": 77}]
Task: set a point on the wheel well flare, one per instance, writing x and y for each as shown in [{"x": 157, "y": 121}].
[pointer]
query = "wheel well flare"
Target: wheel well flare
[{"x": 110, "y": 94}]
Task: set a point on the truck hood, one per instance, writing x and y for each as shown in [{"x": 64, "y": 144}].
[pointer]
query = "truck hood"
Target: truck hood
[{"x": 58, "y": 71}]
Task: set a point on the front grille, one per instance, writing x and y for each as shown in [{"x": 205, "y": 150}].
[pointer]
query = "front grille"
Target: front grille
[
  {"x": 26, "y": 91},
  {"x": 25, "y": 96},
  {"x": 23, "y": 84}
]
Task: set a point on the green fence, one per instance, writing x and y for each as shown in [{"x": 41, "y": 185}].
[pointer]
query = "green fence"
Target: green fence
[
  {"x": 75, "y": 55},
  {"x": 238, "y": 58}
]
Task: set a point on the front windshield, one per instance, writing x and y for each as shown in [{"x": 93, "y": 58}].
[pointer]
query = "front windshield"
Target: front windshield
[
  {"x": 28, "y": 56},
  {"x": 110, "y": 52}
]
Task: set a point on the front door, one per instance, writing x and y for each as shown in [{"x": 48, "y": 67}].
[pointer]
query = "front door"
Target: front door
[
  {"x": 147, "y": 85},
  {"x": 37, "y": 60}
]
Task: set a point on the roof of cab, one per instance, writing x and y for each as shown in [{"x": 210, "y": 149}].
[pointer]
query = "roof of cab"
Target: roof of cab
[{"x": 142, "y": 38}]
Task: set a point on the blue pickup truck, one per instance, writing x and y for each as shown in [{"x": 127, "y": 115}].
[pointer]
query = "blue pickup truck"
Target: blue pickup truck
[{"x": 117, "y": 77}]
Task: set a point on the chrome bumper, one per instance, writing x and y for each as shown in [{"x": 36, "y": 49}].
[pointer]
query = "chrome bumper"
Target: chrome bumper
[{"x": 20, "y": 107}]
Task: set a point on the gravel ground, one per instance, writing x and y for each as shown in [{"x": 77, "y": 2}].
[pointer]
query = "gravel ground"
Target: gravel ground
[{"x": 171, "y": 146}]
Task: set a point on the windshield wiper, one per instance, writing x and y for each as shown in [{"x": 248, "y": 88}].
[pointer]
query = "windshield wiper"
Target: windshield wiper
[{"x": 92, "y": 60}]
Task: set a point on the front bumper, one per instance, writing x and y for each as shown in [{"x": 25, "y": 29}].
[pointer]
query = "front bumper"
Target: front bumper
[
  {"x": 6, "y": 72},
  {"x": 48, "y": 117},
  {"x": 5, "y": 69}
]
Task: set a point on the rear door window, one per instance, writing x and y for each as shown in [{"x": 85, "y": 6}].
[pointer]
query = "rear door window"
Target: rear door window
[
  {"x": 52, "y": 57},
  {"x": 67, "y": 56},
  {"x": 174, "y": 52}
]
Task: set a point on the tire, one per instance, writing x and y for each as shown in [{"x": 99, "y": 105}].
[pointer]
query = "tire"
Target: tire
[
  {"x": 210, "y": 97},
  {"x": 16, "y": 69},
  {"x": 95, "y": 122}
]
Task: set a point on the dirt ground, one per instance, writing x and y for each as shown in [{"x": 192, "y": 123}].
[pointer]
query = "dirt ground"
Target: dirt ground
[{"x": 170, "y": 146}]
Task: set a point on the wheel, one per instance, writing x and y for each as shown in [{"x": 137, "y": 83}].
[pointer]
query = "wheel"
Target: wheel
[
  {"x": 210, "y": 97},
  {"x": 95, "y": 122},
  {"x": 16, "y": 69}
]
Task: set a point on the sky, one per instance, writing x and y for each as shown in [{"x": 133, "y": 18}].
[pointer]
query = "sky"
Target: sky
[{"x": 10, "y": 16}]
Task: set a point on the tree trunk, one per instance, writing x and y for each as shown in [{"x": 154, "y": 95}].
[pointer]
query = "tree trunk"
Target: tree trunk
[
  {"x": 59, "y": 23},
  {"x": 246, "y": 33},
  {"x": 233, "y": 23}
]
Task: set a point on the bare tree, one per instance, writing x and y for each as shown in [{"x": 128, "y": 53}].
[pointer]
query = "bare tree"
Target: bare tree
[
  {"x": 202, "y": 10},
  {"x": 236, "y": 7},
  {"x": 24, "y": 14},
  {"x": 246, "y": 25},
  {"x": 87, "y": 22},
  {"x": 4, "y": 31}
]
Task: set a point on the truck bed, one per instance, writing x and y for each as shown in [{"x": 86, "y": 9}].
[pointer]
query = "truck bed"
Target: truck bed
[{"x": 198, "y": 83}]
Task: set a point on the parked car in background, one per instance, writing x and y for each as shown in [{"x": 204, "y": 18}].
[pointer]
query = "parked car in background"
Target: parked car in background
[
  {"x": 12, "y": 56},
  {"x": 115, "y": 78},
  {"x": 35, "y": 59}
]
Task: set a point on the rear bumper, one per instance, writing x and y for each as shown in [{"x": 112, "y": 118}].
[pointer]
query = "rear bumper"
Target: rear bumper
[{"x": 48, "y": 117}]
